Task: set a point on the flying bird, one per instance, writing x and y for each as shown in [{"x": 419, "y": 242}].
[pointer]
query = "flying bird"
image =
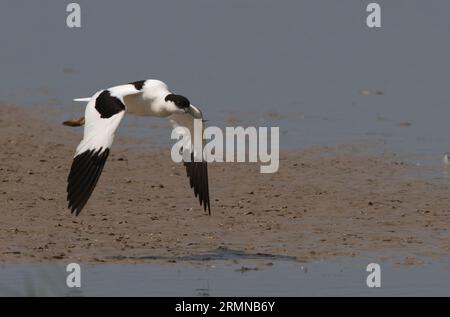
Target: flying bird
[{"x": 104, "y": 111}]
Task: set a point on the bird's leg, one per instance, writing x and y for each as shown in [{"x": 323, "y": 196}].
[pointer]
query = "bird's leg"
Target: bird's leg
[{"x": 74, "y": 122}]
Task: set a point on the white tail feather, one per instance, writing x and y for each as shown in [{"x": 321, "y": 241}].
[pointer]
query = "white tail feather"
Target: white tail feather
[{"x": 83, "y": 99}]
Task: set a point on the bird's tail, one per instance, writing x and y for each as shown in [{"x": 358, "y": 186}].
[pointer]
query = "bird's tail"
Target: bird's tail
[{"x": 83, "y": 99}]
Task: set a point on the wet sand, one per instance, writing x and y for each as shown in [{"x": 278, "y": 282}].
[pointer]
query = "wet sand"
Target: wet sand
[{"x": 324, "y": 202}]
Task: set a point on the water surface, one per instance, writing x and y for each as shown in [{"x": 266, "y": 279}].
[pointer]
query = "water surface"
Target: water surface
[
  {"x": 304, "y": 66},
  {"x": 339, "y": 277}
]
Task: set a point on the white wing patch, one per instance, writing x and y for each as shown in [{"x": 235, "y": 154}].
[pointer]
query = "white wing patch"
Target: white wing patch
[
  {"x": 187, "y": 121},
  {"x": 98, "y": 132}
]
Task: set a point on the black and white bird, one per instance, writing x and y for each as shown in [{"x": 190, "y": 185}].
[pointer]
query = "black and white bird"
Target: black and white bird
[{"x": 104, "y": 111}]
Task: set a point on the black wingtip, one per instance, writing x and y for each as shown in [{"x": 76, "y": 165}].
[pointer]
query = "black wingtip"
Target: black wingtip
[
  {"x": 84, "y": 174},
  {"x": 197, "y": 173}
]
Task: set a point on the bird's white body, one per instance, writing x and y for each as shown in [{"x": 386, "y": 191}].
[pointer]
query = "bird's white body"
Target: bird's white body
[{"x": 148, "y": 102}]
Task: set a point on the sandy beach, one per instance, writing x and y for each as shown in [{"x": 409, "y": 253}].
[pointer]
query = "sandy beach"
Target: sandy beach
[{"x": 324, "y": 202}]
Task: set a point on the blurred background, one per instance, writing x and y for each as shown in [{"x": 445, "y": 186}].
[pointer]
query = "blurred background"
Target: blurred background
[{"x": 311, "y": 67}]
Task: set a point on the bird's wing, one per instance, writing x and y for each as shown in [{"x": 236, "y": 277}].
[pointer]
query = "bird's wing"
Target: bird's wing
[
  {"x": 103, "y": 114},
  {"x": 197, "y": 170}
]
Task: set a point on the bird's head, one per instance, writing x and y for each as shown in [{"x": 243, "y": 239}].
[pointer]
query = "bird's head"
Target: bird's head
[{"x": 182, "y": 105}]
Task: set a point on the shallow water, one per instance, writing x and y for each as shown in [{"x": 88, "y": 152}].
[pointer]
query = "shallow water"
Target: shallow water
[
  {"x": 305, "y": 66},
  {"x": 342, "y": 277}
]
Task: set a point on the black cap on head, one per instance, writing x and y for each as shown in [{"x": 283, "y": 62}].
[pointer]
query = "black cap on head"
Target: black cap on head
[{"x": 180, "y": 101}]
